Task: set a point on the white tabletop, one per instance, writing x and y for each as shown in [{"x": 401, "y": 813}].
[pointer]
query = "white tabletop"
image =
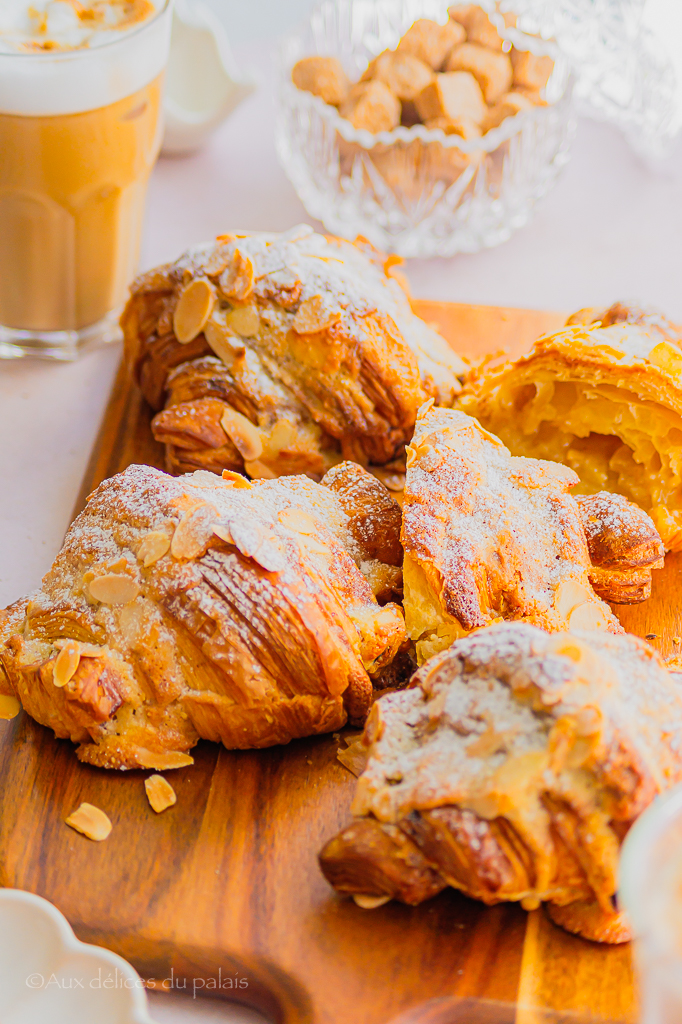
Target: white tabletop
[{"x": 611, "y": 229}]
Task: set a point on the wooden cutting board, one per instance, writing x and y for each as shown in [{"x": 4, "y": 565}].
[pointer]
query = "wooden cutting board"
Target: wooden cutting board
[{"x": 222, "y": 893}]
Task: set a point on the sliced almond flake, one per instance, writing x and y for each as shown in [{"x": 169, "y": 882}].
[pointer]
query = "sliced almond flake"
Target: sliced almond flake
[
  {"x": 222, "y": 340},
  {"x": 569, "y": 595},
  {"x": 193, "y": 532},
  {"x": 219, "y": 258},
  {"x": 91, "y": 822},
  {"x": 588, "y": 616},
  {"x": 9, "y": 706},
  {"x": 244, "y": 320},
  {"x": 222, "y": 530},
  {"x": 370, "y": 902},
  {"x": 354, "y": 757},
  {"x": 299, "y": 521},
  {"x": 194, "y": 307},
  {"x": 270, "y": 556},
  {"x": 244, "y": 434},
  {"x": 236, "y": 479},
  {"x": 114, "y": 588},
  {"x": 85, "y": 650},
  {"x": 160, "y": 793},
  {"x": 66, "y": 663},
  {"x": 248, "y": 537},
  {"x": 315, "y": 314},
  {"x": 282, "y": 435},
  {"x": 154, "y": 546},
  {"x": 236, "y": 281},
  {"x": 257, "y": 470},
  {"x": 164, "y": 761}
]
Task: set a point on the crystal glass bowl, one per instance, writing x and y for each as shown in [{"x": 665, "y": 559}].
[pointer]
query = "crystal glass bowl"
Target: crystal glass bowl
[{"x": 414, "y": 191}]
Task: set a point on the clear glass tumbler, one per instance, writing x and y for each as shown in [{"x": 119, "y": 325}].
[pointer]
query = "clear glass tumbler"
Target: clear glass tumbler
[
  {"x": 651, "y": 893},
  {"x": 80, "y": 131}
]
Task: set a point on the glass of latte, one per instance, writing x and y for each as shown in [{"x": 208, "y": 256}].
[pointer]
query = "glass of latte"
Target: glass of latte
[{"x": 80, "y": 130}]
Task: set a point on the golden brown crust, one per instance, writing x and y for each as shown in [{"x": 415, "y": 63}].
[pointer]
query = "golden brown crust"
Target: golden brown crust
[
  {"x": 624, "y": 547},
  {"x": 312, "y": 339},
  {"x": 591, "y": 921},
  {"x": 516, "y": 763},
  {"x": 371, "y": 859},
  {"x": 489, "y": 537},
  {"x": 603, "y": 396},
  {"x": 200, "y": 607}
]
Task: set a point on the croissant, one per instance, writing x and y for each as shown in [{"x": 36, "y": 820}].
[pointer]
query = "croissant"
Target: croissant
[
  {"x": 283, "y": 354},
  {"x": 603, "y": 396},
  {"x": 512, "y": 769},
  {"x": 490, "y": 536},
  {"x": 208, "y": 607}
]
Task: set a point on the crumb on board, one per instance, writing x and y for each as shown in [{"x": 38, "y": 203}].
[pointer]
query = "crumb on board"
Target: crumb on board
[{"x": 651, "y": 636}]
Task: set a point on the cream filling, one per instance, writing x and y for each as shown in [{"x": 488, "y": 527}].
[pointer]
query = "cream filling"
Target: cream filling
[{"x": 613, "y": 440}]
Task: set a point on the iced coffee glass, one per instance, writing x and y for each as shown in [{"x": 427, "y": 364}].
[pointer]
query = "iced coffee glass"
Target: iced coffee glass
[{"x": 80, "y": 130}]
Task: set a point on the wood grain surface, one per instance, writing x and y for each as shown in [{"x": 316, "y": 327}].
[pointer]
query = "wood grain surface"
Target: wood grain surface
[{"x": 222, "y": 894}]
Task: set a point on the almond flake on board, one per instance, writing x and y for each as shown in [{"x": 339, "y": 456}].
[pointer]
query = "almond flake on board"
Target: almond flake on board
[
  {"x": 90, "y": 821},
  {"x": 194, "y": 307},
  {"x": 370, "y": 902},
  {"x": 160, "y": 793}
]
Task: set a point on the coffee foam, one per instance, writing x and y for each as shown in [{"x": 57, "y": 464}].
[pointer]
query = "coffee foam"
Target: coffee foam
[{"x": 109, "y": 65}]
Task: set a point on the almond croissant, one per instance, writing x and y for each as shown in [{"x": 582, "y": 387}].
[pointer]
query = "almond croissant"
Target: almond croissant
[
  {"x": 512, "y": 770},
  {"x": 208, "y": 607},
  {"x": 282, "y": 354},
  {"x": 488, "y": 536},
  {"x": 603, "y": 396}
]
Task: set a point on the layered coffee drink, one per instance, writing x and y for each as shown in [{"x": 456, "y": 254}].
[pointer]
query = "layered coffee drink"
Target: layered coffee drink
[{"x": 80, "y": 98}]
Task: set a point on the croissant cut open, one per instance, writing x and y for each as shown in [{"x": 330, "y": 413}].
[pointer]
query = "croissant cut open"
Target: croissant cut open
[
  {"x": 208, "y": 607},
  {"x": 283, "y": 354},
  {"x": 512, "y": 770},
  {"x": 603, "y": 396},
  {"x": 489, "y": 536}
]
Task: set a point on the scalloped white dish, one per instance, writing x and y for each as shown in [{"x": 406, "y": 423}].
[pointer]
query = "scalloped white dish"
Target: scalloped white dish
[{"x": 48, "y": 975}]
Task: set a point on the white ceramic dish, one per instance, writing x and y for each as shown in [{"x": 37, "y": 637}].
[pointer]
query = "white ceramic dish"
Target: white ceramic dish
[{"x": 48, "y": 975}]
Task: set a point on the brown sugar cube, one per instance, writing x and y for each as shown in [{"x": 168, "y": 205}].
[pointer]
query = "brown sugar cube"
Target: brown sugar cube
[
  {"x": 409, "y": 114},
  {"x": 372, "y": 106},
  {"x": 431, "y": 42},
  {"x": 464, "y": 127},
  {"x": 404, "y": 74},
  {"x": 323, "y": 77},
  {"x": 478, "y": 26},
  {"x": 530, "y": 71},
  {"x": 455, "y": 95},
  {"x": 492, "y": 70},
  {"x": 510, "y": 105}
]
